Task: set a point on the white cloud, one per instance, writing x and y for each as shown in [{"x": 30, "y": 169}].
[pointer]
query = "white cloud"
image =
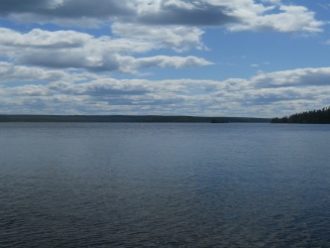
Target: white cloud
[
  {"x": 52, "y": 71},
  {"x": 43, "y": 39},
  {"x": 288, "y": 18},
  {"x": 131, "y": 64},
  {"x": 72, "y": 49},
  {"x": 179, "y": 38},
  {"x": 236, "y": 15},
  {"x": 38, "y": 38},
  {"x": 10, "y": 72},
  {"x": 266, "y": 94},
  {"x": 297, "y": 77}
]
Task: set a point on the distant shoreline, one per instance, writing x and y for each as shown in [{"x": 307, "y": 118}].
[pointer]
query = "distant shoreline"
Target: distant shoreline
[
  {"x": 130, "y": 118},
  {"x": 321, "y": 116}
]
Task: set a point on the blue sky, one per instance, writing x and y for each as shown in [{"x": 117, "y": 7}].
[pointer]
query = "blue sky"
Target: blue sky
[{"x": 260, "y": 58}]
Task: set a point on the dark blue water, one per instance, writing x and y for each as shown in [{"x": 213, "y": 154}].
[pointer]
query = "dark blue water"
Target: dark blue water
[{"x": 164, "y": 185}]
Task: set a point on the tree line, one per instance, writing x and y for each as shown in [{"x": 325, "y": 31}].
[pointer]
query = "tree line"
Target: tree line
[
  {"x": 126, "y": 118},
  {"x": 321, "y": 116}
]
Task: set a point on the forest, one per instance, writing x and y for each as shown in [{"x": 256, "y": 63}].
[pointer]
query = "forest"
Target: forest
[
  {"x": 128, "y": 118},
  {"x": 321, "y": 116}
]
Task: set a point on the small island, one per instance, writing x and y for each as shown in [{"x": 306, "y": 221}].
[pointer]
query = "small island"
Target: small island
[{"x": 321, "y": 116}]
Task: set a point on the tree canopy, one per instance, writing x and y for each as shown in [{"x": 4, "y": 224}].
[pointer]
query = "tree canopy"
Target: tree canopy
[{"x": 321, "y": 116}]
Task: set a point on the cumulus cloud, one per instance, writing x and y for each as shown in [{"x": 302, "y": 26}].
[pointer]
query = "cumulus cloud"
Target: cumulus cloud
[
  {"x": 179, "y": 38},
  {"x": 282, "y": 92},
  {"x": 126, "y": 64},
  {"x": 133, "y": 64},
  {"x": 287, "y": 18},
  {"x": 55, "y": 71},
  {"x": 67, "y": 8},
  {"x": 69, "y": 39},
  {"x": 16, "y": 6},
  {"x": 297, "y": 77},
  {"x": 174, "y": 12},
  {"x": 10, "y": 72},
  {"x": 236, "y": 15},
  {"x": 71, "y": 49},
  {"x": 38, "y": 38}
]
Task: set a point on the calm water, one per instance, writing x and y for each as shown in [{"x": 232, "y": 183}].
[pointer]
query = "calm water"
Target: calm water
[{"x": 164, "y": 185}]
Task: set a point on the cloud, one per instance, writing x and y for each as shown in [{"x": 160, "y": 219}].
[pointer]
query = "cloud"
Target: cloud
[
  {"x": 38, "y": 38},
  {"x": 43, "y": 39},
  {"x": 298, "y": 77},
  {"x": 72, "y": 49},
  {"x": 54, "y": 71},
  {"x": 133, "y": 64},
  {"x": 126, "y": 64},
  {"x": 287, "y": 18},
  {"x": 179, "y": 38},
  {"x": 235, "y": 15},
  {"x": 17, "y": 6},
  {"x": 10, "y": 73},
  {"x": 67, "y": 8},
  {"x": 58, "y": 92},
  {"x": 177, "y": 12}
]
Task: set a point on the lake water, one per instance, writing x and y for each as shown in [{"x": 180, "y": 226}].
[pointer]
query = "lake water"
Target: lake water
[{"x": 164, "y": 185}]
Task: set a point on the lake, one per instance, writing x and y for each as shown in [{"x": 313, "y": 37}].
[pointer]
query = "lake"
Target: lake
[{"x": 164, "y": 185}]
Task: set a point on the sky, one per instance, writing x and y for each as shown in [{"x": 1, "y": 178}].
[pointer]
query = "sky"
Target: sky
[{"x": 259, "y": 58}]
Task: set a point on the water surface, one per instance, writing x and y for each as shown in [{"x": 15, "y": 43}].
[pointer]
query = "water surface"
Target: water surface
[{"x": 164, "y": 185}]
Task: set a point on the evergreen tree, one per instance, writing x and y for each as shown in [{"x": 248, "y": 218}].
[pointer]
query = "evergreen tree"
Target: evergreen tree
[{"x": 321, "y": 116}]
